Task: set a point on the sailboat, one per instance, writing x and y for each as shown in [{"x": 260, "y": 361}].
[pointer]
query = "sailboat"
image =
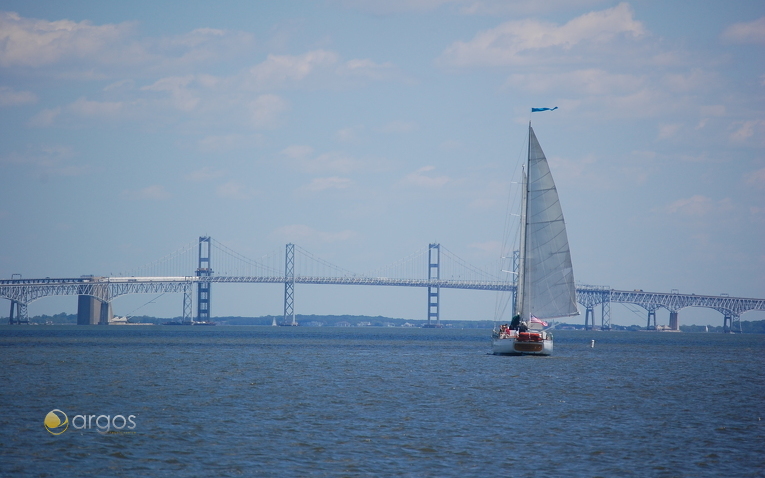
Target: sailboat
[{"x": 545, "y": 281}]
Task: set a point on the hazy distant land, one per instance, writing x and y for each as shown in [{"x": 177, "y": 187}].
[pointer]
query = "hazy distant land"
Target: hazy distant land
[{"x": 747, "y": 327}]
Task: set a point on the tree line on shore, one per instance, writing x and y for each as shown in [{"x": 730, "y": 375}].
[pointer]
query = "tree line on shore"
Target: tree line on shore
[{"x": 747, "y": 327}]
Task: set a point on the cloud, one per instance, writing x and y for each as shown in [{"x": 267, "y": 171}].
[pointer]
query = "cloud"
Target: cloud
[
  {"x": 81, "y": 50},
  {"x": 278, "y": 71},
  {"x": 756, "y": 178},
  {"x": 97, "y": 109},
  {"x": 265, "y": 111},
  {"x": 234, "y": 190},
  {"x": 746, "y": 129},
  {"x": 522, "y": 7},
  {"x": 47, "y": 161},
  {"x": 667, "y": 131},
  {"x": 316, "y": 68},
  {"x": 400, "y": 127},
  {"x": 205, "y": 174},
  {"x": 746, "y": 32},
  {"x": 44, "y": 117},
  {"x": 82, "y": 107},
  {"x": 450, "y": 145},
  {"x": 334, "y": 182},
  {"x": 368, "y": 69},
  {"x": 11, "y": 97},
  {"x": 386, "y": 7},
  {"x": 183, "y": 98},
  {"x": 297, "y": 151},
  {"x": 332, "y": 162},
  {"x": 466, "y": 7},
  {"x": 122, "y": 85},
  {"x": 693, "y": 81},
  {"x": 227, "y": 142},
  {"x": 592, "y": 81},
  {"x": 149, "y": 193},
  {"x": 698, "y": 205},
  {"x": 348, "y": 135},
  {"x": 306, "y": 234},
  {"x": 420, "y": 179},
  {"x": 517, "y": 42},
  {"x": 33, "y": 43}
]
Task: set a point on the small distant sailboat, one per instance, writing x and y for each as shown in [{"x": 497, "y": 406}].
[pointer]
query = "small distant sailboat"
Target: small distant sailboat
[
  {"x": 273, "y": 322},
  {"x": 545, "y": 281}
]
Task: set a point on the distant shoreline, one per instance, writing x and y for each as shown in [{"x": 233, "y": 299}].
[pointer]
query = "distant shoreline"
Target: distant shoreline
[{"x": 748, "y": 327}]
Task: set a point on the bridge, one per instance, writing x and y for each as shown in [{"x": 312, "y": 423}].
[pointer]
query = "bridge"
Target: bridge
[{"x": 434, "y": 268}]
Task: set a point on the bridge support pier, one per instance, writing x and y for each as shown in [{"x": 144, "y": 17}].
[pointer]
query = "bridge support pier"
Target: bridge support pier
[
  {"x": 20, "y": 312},
  {"x": 731, "y": 323},
  {"x": 92, "y": 311},
  {"x": 673, "y": 324}
]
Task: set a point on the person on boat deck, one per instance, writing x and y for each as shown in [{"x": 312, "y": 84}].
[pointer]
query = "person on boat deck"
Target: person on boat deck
[
  {"x": 523, "y": 327},
  {"x": 515, "y": 322}
]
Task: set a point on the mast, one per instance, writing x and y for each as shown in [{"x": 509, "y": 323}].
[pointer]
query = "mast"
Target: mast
[{"x": 521, "y": 284}]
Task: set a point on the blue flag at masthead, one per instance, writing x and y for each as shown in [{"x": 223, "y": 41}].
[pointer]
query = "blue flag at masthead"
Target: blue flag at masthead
[{"x": 534, "y": 110}]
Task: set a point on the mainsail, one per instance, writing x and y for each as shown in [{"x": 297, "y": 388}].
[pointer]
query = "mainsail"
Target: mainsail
[{"x": 548, "y": 289}]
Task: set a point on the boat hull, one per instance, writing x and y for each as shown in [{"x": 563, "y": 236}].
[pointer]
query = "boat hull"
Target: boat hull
[{"x": 512, "y": 346}]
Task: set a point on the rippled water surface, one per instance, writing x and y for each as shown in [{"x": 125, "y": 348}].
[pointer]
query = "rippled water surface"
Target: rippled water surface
[{"x": 295, "y": 401}]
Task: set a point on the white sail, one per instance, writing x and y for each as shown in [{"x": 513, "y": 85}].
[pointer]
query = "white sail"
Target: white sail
[{"x": 548, "y": 277}]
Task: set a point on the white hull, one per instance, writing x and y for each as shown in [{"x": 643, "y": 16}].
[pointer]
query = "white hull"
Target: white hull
[{"x": 512, "y": 346}]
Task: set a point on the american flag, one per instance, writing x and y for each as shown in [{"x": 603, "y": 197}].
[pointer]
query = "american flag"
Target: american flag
[{"x": 537, "y": 321}]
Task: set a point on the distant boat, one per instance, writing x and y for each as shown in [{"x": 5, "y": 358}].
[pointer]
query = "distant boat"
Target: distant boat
[
  {"x": 273, "y": 323},
  {"x": 545, "y": 285}
]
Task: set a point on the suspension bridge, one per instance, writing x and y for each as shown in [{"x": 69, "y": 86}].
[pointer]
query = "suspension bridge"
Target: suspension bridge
[{"x": 189, "y": 270}]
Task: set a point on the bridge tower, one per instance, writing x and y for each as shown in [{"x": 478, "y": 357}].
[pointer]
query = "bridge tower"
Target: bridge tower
[
  {"x": 605, "y": 311},
  {"x": 203, "y": 288},
  {"x": 589, "y": 300},
  {"x": 289, "y": 285},
  {"x": 651, "y": 314},
  {"x": 434, "y": 272},
  {"x": 589, "y": 317},
  {"x": 188, "y": 292}
]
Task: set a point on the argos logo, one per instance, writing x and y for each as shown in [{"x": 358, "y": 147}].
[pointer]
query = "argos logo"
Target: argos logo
[{"x": 57, "y": 422}]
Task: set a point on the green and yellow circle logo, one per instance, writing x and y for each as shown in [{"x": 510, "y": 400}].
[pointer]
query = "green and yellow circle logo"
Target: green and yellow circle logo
[{"x": 56, "y": 422}]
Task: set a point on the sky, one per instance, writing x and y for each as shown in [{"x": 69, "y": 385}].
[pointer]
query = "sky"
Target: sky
[{"x": 363, "y": 130}]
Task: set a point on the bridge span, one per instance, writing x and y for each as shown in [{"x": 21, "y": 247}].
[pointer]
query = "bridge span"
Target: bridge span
[{"x": 95, "y": 293}]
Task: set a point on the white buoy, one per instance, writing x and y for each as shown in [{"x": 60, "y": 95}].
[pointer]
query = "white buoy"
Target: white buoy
[{"x": 592, "y": 344}]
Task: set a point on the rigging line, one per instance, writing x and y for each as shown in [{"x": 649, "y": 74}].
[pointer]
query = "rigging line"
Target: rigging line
[
  {"x": 320, "y": 261},
  {"x": 130, "y": 314},
  {"x": 408, "y": 260},
  {"x": 164, "y": 259},
  {"x": 234, "y": 254},
  {"x": 246, "y": 260},
  {"x": 511, "y": 228},
  {"x": 467, "y": 265}
]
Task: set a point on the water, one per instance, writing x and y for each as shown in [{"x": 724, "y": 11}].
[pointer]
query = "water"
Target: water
[{"x": 294, "y": 401}]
